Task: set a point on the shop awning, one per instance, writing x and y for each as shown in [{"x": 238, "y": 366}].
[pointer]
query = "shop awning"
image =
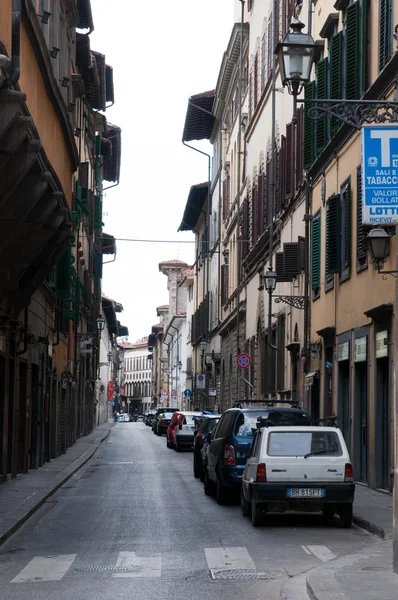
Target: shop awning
[
  {"x": 111, "y": 167},
  {"x": 85, "y": 15},
  {"x": 108, "y": 244},
  {"x": 199, "y": 119},
  {"x": 196, "y": 199}
]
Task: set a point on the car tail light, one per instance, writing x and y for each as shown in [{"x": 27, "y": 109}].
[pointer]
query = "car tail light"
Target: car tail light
[
  {"x": 348, "y": 473},
  {"x": 229, "y": 455},
  {"x": 180, "y": 425},
  {"x": 261, "y": 476},
  {"x": 200, "y": 439}
]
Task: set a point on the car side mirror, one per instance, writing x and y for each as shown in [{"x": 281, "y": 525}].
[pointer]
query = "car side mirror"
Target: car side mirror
[{"x": 209, "y": 437}]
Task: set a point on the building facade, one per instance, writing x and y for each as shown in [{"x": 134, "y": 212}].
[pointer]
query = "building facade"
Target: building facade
[{"x": 137, "y": 377}]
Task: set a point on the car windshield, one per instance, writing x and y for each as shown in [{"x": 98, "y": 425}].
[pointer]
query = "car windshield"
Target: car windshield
[
  {"x": 189, "y": 419},
  {"x": 211, "y": 423},
  {"x": 167, "y": 415},
  {"x": 301, "y": 443},
  {"x": 247, "y": 423}
]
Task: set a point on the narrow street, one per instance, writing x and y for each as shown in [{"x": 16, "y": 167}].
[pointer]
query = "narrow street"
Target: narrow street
[{"x": 134, "y": 523}]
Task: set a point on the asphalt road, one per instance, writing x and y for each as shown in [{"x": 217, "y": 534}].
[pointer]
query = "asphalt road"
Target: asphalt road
[{"x": 135, "y": 524}]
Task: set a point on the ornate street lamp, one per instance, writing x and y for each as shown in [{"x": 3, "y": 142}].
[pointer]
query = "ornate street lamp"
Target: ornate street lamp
[
  {"x": 295, "y": 56},
  {"x": 101, "y": 323},
  {"x": 378, "y": 242},
  {"x": 270, "y": 281}
]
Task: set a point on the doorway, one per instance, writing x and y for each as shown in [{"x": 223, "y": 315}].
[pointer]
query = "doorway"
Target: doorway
[
  {"x": 383, "y": 433},
  {"x": 344, "y": 412},
  {"x": 361, "y": 422}
]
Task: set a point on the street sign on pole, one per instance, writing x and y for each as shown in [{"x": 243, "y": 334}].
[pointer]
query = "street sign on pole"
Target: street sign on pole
[
  {"x": 243, "y": 361},
  {"x": 200, "y": 382},
  {"x": 187, "y": 393},
  {"x": 380, "y": 174}
]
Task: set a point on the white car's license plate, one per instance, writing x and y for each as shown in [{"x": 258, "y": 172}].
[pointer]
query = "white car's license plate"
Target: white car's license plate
[{"x": 306, "y": 493}]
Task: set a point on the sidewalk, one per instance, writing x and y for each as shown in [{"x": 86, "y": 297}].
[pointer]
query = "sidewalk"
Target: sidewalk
[
  {"x": 364, "y": 576},
  {"x": 22, "y": 497}
]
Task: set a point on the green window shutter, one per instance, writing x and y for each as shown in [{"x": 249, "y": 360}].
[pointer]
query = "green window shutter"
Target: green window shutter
[
  {"x": 84, "y": 180},
  {"x": 98, "y": 265},
  {"x": 345, "y": 227},
  {"x": 77, "y": 302},
  {"x": 385, "y": 33},
  {"x": 98, "y": 141},
  {"x": 332, "y": 253},
  {"x": 352, "y": 52},
  {"x": 362, "y": 254},
  {"x": 336, "y": 73},
  {"x": 97, "y": 212},
  {"x": 309, "y": 127},
  {"x": 62, "y": 280},
  {"x": 365, "y": 45},
  {"x": 78, "y": 191},
  {"x": 322, "y": 92},
  {"x": 316, "y": 252}
]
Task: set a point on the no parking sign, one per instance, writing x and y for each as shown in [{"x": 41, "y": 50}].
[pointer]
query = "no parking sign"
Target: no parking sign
[{"x": 243, "y": 361}]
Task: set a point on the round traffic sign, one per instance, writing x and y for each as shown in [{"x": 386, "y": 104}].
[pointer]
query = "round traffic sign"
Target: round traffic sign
[{"x": 243, "y": 361}]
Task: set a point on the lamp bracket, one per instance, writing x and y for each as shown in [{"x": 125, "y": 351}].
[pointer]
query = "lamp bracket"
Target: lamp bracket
[
  {"x": 385, "y": 273},
  {"x": 295, "y": 301},
  {"x": 352, "y": 112}
]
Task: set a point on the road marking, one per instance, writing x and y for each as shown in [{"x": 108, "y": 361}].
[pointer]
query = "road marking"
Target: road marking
[
  {"x": 306, "y": 549},
  {"x": 45, "y": 568},
  {"x": 229, "y": 559},
  {"x": 322, "y": 552},
  {"x": 144, "y": 566}
]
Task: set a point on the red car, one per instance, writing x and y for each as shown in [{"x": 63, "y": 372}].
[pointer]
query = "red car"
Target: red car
[{"x": 170, "y": 430}]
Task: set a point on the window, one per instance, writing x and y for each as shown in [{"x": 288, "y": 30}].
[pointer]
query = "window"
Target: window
[
  {"x": 255, "y": 75},
  {"x": 297, "y": 443},
  {"x": 255, "y": 223},
  {"x": 270, "y": 47},
  {"x": 263, "y": 64},
  {"x": 362, "y": 254},
  {"x": 385, "y": 33},
  {"x": 224, "y": 283},
  {"x": 322, "y": 92},
  {"x": 289, "y": 172},
  {"x": 226, "y": 193},
  {"x": 316, "y": 254},
  {"x": 250, "y": 95},
  {"x": 336, "y": 73},
  {"x": 352, "y": 52},
  {"x": 332, "y": 240},
  {"x": 309, "y": 127},
  {"x": 345, "y": 230}
]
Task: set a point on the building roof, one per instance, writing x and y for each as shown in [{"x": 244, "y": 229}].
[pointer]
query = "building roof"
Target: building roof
[
  {"x": 172, "y": 263},
  {"x": 157, "y": 326},
  {"x": 164, "y": 306},
  {"x": 199, "y": 119},
  {"x": 196, "y": 199},
  {"x": 188, "y": 271},
  {"x": 228, "y": 64}
]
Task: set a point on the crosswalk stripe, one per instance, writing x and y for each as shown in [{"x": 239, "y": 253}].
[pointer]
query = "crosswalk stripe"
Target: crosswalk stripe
[
  {"x": 141, "y": 566},
  {"x": 322, "y": 552},
  {"x": 45, "y": 568},
  {"x": 229, "y": 559}
]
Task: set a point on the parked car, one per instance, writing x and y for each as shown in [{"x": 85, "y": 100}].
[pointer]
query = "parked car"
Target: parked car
[
  {"x": 204, "y": 425},
  {"x": 158, "y": 413},
  {"x": 148, "y": 419},
  {"x": 300, "y": 469},
  {"x": 163, "y": 422},
  {"x": 230, "y": 442},
  {"x": 184, "y": 430},
  {"x": 171, "y": 429}
]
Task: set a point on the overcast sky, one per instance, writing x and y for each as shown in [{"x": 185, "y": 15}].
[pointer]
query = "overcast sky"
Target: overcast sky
[{"x": 161, "y": 53}]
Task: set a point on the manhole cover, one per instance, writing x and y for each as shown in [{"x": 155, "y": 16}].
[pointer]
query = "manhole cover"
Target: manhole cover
[
  {"x": 375, "y": 568},
  {"x": 105, "y": 568},
  {"x": 244, "y": 574}
]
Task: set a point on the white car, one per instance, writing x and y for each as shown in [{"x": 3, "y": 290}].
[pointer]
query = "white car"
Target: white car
[
  {"x": 299, "y": 469},
  {"x": 184, "y": 431}
]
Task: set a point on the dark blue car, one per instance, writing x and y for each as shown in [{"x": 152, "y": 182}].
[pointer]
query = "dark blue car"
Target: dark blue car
[{"x": 230, "y": 442}]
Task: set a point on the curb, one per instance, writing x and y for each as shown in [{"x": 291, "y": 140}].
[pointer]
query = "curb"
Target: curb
[
  {"x": 87, "y": 455},
  {"x": 371, "y": 527}
]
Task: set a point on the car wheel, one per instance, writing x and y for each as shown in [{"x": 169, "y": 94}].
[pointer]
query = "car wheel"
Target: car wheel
[
  {"x": 345, "y": 511},
  {"x": 207, "y": 484},
  {"x": 244, "y": 504},
  {"x": 221, "y": 493},
  {"x": 257, "y": 514}
]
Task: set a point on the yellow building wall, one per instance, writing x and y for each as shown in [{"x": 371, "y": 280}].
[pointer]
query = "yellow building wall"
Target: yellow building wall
[{"x": 38, "y": 102}]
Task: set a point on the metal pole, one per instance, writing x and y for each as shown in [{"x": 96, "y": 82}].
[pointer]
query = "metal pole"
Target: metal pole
[
  {"x": 273, "y": 169},
  {"x": 238, "y": 177}
]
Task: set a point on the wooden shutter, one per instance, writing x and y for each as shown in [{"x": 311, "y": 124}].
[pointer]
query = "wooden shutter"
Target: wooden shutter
[
  {"x": 316, "y": 252},
  {"x": 282, "y": 176},
  {"x": 268, "y": 196},
  {"x": 309, "y": 127},
  {"x": 277, "y": 182},
  {"x": 322, "y": 92},
  {"x": 345, "y": 227},
  {"x": 280, "y": 268},
  {"x": 336, "y": 73},
  {"x": 260, "y": 203},
  {"x": 255, "y": 83},
  {"x": 250, "y": 96},
  {"x": 299, "y": 147},
  {"x": 269, "y": 47},
  {"x": 245, "y": 229},
  {"x": 263, "y": 63},
  {"x": 224, "y": 200},
  {"x": 302, "y": 253},
  {"x": 385, "y": 33},
  {"x": 352, "y": 52},
  {"x": 332, "y": 261},
  {"x": 291, "y": 259},
  {"x": 254, "y": 215},
  {"x": 362, "y": 254},
  {"x": 289, "y": 161},
  {"x": 365, "y": 45},
  {"x": 84, "y": 180}
]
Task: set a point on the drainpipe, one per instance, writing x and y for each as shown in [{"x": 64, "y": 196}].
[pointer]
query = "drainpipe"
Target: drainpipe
[
  {"x": 16, "y": 42},
  {"x": 238, "y": 176}
]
